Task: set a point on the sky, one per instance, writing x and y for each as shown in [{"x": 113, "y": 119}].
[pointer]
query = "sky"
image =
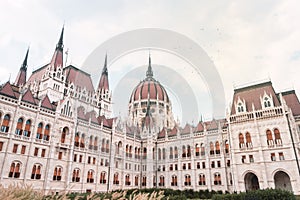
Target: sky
[{"x": 248, "y": 41}]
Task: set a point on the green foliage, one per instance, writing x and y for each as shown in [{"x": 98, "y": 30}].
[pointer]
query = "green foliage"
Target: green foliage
[{"x": 268, "y": 194}]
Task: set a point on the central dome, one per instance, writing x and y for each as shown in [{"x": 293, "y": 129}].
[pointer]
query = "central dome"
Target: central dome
[{"x": 150, "y": 95}]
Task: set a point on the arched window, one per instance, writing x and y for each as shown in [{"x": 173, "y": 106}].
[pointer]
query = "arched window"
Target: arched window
[
  {"x": 187, "y": 180},
  {"x": 64, "y": 134},
  {"x": 267, "y": 102},
  {"x": 135, "y": 153},
  {"x": 161, "y": 181},
  {"x": 139, "y": 153},
  {"x": 5, "y": 123},
  {"x": 119, "y": 147},
  {"x": 47, "y": 133},
  {"x": 127, "y": 179},
  {"x": 145, "y": 153},
  {"x": 103, "y": 177},
  {"x": 57, "y": 174},
  {"x": 278, "y": 140},
  {"x": 202, "y": 149},
  {"x": 27, "y": 131},
  {"x": 164, "y": 154},
  {"x": 91, "y": 143},
  {"x": 144, "y": 181},
  {"x": 36, "y": 171},
  {"x": 218, "y": 148},
  {"x": 188, "y": 151},
  {"x": 183, "y": 151},
  {"x": 136, "y": 180},
  {"x": 14, "y": 171},
  {"x": 202, "y": 179},
  {"x": 248, "y": 140},
  {"x": 19, "y": 128},
  {"x": 103, "y": 145},
  {"x": 39, "y": 133},
  {"x": 76, "y": 142},
  {"x": 96, "y": 144},
  {"x": 174, "y": 180},
  {"x": 240, "y": 107},
  {"x": 130, "y": 151},
  {"x": 76, "y": 175},
  {"x": 159, "y": 154},
  {"x": 82, "y": 138},
  {"x": 116, "y": 179},
  {"x": 212, "y": 149},
  {"x": 226, "y": 146},
  {"x": 127, "y": 150},
  {"x": 241, "y": 141},
  {"x": 197, "y": 148},
  {"x": 269, "y": 138},
  {"x": 107, "y": 146},
  {"x": 176, "y": 152},
  {"x": 217, "y": 179},
  {"x": 171, "y": 153},
  {"x": 90, "y": 176}
]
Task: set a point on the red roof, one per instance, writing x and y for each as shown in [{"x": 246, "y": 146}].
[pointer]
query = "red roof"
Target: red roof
[
  {"x": 199, "y": 127},
  {"x": 47, "y": 104},
  {"x": 8, "y": 90},
  {"x": 211, "y": 125},
  {"x": 21, "y": 78},
  {"x": 103, "y": 83},
  {"x": 173, "y": 132},
  {"x": 292, "y": 101},
  {"x": 187, "y": 129},
  {"x": 162, "y": 134},
  {"x": 38, "y": 74},
  {"x": 252, "y": 94},
  {"x": 28, "y": 97},
  {"x": 79, "y": 78},
  {"x": 57, "y": 59}
]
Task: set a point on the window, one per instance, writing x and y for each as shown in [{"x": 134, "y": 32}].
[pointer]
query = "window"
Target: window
[
  {"x": 15, "y": 148},
  {"x": 127, "y": 180},
  {"x": 273, "y": 158},
  {"x": 19, "y": 128},
  {"x": 154, "y": 181},
  {"x": 94, "y": 161},
  {"x": 187, "y": 180},
  {"x": 27, "y": 131},
  {"x": 183, "y": 166},
  {"x": 136, "y": 180},
  {"x": 107, "y": 146},
  {"x": 90, "y": 177},
  {"x": 116, "y": 179},
  {"x": 174, "y": 180},
  {"x": 14, "y": 171},
  {"x": 171, "y": 167},
  {"x": 183, "y": 151},
  {"x": 36, "y": 172},
  {"x": 161, "y": 181},
  {"x": 189, "y": 166},
  {"x": 202, "y": 179},
  {"x": 281, "y": 156},
  {"x": 171, "y": 153},
  {"x": 217, "y": 179},
  {"x": 64, "y": 133},
  {"x": 270, "y": 141},
  {"x": 23, "y": 149},
  {"x": 240, "y": 107},
  {"x": 57, "y": 174},
  {"x": 159, "y": 154},
  {"x": 89, "y": 160},
  {"x": 188, "y": 151},
  {"x": 251, "y": 158},
  {"x": 76, "y": 142},
  {"x": 243, "y": 159},
  {"x": 248, "y": 140},
  {"x": 277, "y": 137},
  {"x": 226, "y": 146},
  {"x": 102, "y": 177},
  {"x": 36, "y": 151},
  {"x": 43, "y": 152},
  {"x": 1, "y": 146},
  {"x": 198, "y": 165},
  {"x": 212, "y": 151},
  {"x": 60, "y": 155},
  {"x": 144, "y": 181},
  {"x": 164, "y": 153},
  {"x": 5, "y": 123},
  {"x": 219, "y": 163},
  {"x": 47, "y": 133},
  {"x": 267, "y": 102},
  {"x": 39, "y": 133},
  {"x": 228, "y": 163},
  {"x": 212, "y": 164},
  {"x": 96, "y": 144},
  {"x": 175, "y": 152},
  {"x": 218, "y": 148},
  {"x": 203, "y": 165},
  {"x": 176, "y": 167},
  {"x": 202, "y": 150},
  {"x": 82, "y": 144},
  {"x": 76, "y": 175},
  {"x": 80, "y": 158}
]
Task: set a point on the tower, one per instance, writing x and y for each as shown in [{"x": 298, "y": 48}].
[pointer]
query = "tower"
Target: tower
[{"x": 21, "y": 77}]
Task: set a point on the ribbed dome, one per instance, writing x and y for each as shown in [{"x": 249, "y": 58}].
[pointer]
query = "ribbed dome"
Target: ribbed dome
[{"x": 149, "y": 87}]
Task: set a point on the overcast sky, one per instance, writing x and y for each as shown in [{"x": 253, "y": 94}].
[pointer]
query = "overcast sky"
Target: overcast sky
[{"x": 248, "y": 41}]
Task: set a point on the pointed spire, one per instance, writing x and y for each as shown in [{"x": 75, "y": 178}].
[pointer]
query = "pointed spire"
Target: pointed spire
[
  {"x": 60, "y": 44},
  {"x": 24, "y": 65},
  {"x": 149, "y": 72},
  {"x": 104, "y": 71},
  {"x": 103, "y": 83},
  {"x": 21, "y": 77}
]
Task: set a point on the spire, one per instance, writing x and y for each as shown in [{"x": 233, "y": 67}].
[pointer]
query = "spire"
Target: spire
[
  {"x": 149, "y": 72},
  {"x": 60, "y": 44},
  {"x": 21, "y": 77},
  {"x": 57, "y": 58},
  {"x": 103, "y": 83}
]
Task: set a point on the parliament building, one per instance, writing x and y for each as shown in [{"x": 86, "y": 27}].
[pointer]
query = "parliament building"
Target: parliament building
[{"x": 57, "y": 133}]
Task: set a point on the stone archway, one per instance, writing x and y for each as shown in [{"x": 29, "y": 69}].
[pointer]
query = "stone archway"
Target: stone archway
[
  {"x": 251, "y": 182},
  {"x": 282, "y": 181}
]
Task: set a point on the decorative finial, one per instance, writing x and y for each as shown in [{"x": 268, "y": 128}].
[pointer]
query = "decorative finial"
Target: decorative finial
[
  {"x": 149, "y": 72},
  {"x": 104, "y": 71},
  {"x": 24, "y": 65},
  {"x": 60, "y": 41}
]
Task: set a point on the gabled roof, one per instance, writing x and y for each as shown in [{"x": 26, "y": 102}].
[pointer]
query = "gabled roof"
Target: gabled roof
[
  {"x": 28, "y": 97},
  {"x": 161, "y": 134},
  {"x": 79, "y": 78},
  {"x": 292, "y": 101},
  {"x": 186, "y": 129},
  {"x": 211, "y": 125},
  {"x": 173, "y": 132},
  {"x": 251, "y": 94},
  {"x": 93, "y": 117},
  {"x": 7, "y": 90},
  {"x": 47, "y": 104},
  {"x": 38, "y": 74},
  {"x": 199, "y": 127}
]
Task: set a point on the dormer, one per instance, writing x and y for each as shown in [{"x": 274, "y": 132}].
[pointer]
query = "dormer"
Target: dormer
[
  {"x": 266, "y": 101},
  {"x": 240, "y": 106}
]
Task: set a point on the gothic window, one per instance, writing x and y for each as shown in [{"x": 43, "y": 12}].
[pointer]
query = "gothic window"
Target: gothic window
[
  {"x": 136, "y": 180},
  {"x": 202, "y": 149},
  {"x": 107, "y": 146},
  {"x": 241, "y": 141},
  {"x": 39, "y": 133},
  {"x": 47, "y": 132},
  {"x": 269, "y": 138},
  {"x": 76, "y": 175},
  {"x": 162, "y": 181},
  {"x": 183, "y": 151},
  {"x": 90, "y": 176},
  {"x": 159, "y": 154},
  {"x": 197, "y": 148},
  {"x": 144, "y": 181},
  {"x": 218, "y": 148},
  {"x": 217, "y": 179},
  {"x": 82, "y": 138},
  {"x": 57, "y": 174},
  {"x": 240, "y": 107},
  {"x": 36, "y": 171},
  {"x": 188, "y": 151},
  {"x": 171, "y": 153},
  {"x": 164, "y": 154},
  {"x": 96, "y": 144},
  {"x": 130, "y": 151},
  {"x": 14, "y": 171},
  {"x": 176, "y": 152},
  {"x": 116, "y": 179},
  {"x": 76, "y": 142},
  {"x": 187, "y": 180},
  {"x": 174, "y": 180},
  {"x": 278, "y": 140},
  {"x": 145, "y": 154},
  {"x": 248, "y": 140},
  {"x": 267, "y": 102},
  {"x": 5, "y": 123},
  {"x": 27, "y": 131},
  {"x": 226, "y": 146},
  {"x": 91, "y": 143},
  {"x": 102, "y": 177},
  {"x": 212, "y": 150},
  {"x": 19, "y": 128},
  {"x": 127, "y": 179},
  {"x": 127, "y": 150},
  {"x": 64, "y": 134},
  {"x": 202, "y": 179}
]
